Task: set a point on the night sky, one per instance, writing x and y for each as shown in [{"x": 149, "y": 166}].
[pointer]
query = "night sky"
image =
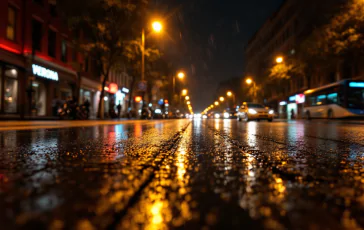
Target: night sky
[{"x": 207, "y": 39}]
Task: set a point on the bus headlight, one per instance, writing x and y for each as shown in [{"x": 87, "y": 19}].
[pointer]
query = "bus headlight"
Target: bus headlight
[
  {"x": 252, "y": 111},
  {"x": 271, "y": 112}
]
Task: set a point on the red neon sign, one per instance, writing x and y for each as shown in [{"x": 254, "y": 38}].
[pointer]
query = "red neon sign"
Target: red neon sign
[{"x": 113, "y": 88}]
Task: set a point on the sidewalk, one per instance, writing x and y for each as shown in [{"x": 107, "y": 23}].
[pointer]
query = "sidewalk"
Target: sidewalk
[{"x": 29, "y": 125}]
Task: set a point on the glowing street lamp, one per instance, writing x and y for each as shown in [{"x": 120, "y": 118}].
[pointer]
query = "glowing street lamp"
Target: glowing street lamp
[
  {"x": 229, "y": 93},
  {"x": 250, "y": 81},
  {"x": 184, "y": 92},
  {"x": 181, "y": 75},
  {"x": 222, "y": 99},
  {"x": 187, "y": 98},
  {"x": 279, "y": 59},
  {"x": 188, "y": 102},
  {"x": 216, "y": 103},
  {"x": 157, "y": 26}
]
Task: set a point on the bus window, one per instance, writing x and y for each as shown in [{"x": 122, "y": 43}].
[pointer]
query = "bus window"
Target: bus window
[
  {"x": 356, "y": 98},
  {"x": 311, "y": 101},
  {"x": 321, "y": 100},
  {"x": 332, "y": 98}
]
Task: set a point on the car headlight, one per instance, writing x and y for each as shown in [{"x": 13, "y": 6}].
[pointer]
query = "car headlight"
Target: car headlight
[
  {"x": 226, "y": 115},
  {"x": 217, "y": 116},
  {"x": 252, "y": 111},
  {"x": 271, "y": 112},
  {"x": 204, "y": 117}
]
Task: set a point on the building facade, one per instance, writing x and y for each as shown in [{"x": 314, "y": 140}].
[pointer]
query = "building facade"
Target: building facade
[
  {"x": 35, "y": 59},
  {"x": 281, "y": 35}
]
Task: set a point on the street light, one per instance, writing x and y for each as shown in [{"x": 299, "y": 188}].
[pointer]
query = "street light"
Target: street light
[
  {"x": 188, "y": 102},
  {"x": 187, "y": 98},
  {"x": 181, "y": 75},
  {"x": 222, "y": 99},
  {"x": 157, "y": 27},
  {"x": 184, "y": 92},
  {"x": 279, "y": 59},
  {"x": 216, "y": 103},
  {"x": 250, "y": 81},
  {"x": 230, "y": 94}
]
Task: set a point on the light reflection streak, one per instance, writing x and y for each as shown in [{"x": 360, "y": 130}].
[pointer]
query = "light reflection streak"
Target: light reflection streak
[
  {"x": 252, "y": 131},
  {"x": 217, "y": 124}
]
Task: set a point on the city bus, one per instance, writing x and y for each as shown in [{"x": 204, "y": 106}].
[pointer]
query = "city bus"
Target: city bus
[{"x": 342, "y": 99}]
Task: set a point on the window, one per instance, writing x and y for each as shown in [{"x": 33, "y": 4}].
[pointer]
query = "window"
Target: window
[
  {"x": 37, "y": 35},
  {"x": 53, "y": 9},
  {"x": 64, "y": 51},
  {"x": 10, "y": 90},
  {"x": 86, "y": 64},
  {"x": 40, "y": 2},
  {"x": 356, "y": 98},
  {"x": 321, "y": 100},
  {"x": 74, "y": 54},
  {"x": 332, "y": 98},
  {"x": 52, "y": 37},
  {"x": 10, "y": 29}
]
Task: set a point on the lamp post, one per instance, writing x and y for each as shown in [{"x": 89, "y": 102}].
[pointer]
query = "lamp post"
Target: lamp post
[
  {"x": 232, "y": 95},
  {"x": 279, "y": 59},
  {"x": 157, "y": 27},
  {"x": 180, "y": 76},
  {"x": 250, "y": 81}
]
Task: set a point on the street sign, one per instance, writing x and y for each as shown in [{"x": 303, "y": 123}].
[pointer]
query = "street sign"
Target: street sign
[{"x": 142, "y": 86}]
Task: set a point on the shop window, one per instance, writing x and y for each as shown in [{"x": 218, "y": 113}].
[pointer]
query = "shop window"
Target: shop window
[
  {"x": 37, "y": 32},
  {"x": 10, "y": 90},
  {"x": 52, "y": 37},
  {"x": 10, "y": 29},
  {"x": 64, "y": 51},
  {"x": 39, "y": 98}
]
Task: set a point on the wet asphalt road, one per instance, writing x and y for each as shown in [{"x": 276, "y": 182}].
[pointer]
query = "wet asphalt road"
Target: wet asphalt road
[{"x": 181, "y": 174}]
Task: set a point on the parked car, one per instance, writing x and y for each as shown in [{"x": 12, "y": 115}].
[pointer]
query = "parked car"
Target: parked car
[{"x": 254, "y": 111}]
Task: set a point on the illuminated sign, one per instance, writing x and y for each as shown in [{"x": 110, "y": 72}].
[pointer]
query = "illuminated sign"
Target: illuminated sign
[
  {"x": 44, "y": 73},
  {"x": 113, "y": 88},
  {"x": 125, "y": 90},
  {"x": 283, "y": 103},
  {"x": 356, "y": 84},
  {"x": 292, "y": 98},
  {"x": 300, "y": 98}
]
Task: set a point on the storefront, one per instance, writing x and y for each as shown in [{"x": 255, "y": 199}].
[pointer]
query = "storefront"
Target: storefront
[
  {"x": 295, "y": 106},
  {"x": 110, "y": 99},
  {"x": 90, "y": 91},
  {"x": 49, "y": 87},
  {"x": 9, "y": 89}
]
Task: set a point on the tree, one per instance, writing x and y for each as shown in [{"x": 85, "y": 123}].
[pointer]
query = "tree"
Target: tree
[
  {"x": 108, "y": 26},
  {"x": 286, "y": 70},
  {"x": 340, "y": 41}
]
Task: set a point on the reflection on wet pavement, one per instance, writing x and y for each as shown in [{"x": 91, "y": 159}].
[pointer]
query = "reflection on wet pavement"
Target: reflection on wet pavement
[{"x": 200, "y": 174}]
